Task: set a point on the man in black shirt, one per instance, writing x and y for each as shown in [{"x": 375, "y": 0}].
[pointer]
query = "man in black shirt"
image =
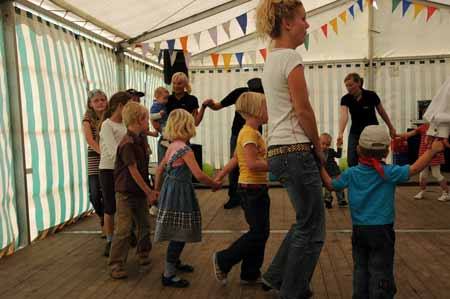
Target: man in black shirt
[{"x": 255, "y": 85}]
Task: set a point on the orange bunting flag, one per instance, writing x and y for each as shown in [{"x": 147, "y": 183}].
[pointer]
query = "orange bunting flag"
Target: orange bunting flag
[
  {"x": 430, "y": 11},
  {"x": 263, "y": 53},
  {"x": 369, "y": 2},
  {"x": 325, "y": 29},
  {"x": 215, "y": 59},
  {"x": 226, "y": 60},
  {"x": 418, "y": 9},
  {"x": 183, "y": 41},
  {"x": 334, "y": 24},
  {"x": 343, "y": 16}
]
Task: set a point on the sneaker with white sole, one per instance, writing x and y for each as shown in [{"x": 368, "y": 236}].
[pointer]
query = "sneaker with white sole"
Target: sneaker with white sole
[
  {"x": 419, "y": 195},
  {"x": 218, "y": 273},
  {"x": 154, "y": 211},
  {"x": 444, "y": 197}
]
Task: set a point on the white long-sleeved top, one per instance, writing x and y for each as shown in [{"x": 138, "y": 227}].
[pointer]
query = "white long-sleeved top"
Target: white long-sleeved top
[
  {"x": 111, "y": 133},
  {"x": 438, "y": 113}
]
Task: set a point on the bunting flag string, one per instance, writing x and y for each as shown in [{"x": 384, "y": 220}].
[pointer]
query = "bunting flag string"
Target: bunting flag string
[{"x": 418, "y": 8}]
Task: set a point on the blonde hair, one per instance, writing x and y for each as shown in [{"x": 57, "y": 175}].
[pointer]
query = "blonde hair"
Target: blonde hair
[
  {"x": 250, "y": 104},
  {"x": 132, "y": 113},
  {"x": 270, "y": 13},
  {"x": 326, "y": 135},
  {"x": 180, "y": 125},
  {"x": 184, "y": 77},
  {"x": 159, "y": 91}
]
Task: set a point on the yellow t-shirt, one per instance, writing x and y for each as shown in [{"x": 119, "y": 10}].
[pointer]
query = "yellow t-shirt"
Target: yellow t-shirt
[{"x": 249, "y": 135}]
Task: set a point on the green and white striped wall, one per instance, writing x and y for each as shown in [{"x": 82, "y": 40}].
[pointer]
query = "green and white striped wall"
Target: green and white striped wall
[{"x": 9, "y": 231}]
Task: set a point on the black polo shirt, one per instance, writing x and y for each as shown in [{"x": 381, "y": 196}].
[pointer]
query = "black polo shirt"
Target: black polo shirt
[
  {"x": 231, "y": 99},
  {"x": 187, "y": 102},
  {"x": 132, "y": 149},
  {"x": 362, "y": 112}
]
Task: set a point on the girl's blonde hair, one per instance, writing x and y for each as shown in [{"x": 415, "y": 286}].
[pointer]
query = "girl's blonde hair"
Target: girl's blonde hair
[
  {"x": 180, "y": 125},
  {"x": 250, "y": 104},
  {"x": 270, "y": 13},
  {"x": 184, "y": 77},
  {"x": 132, "y": 113},
  {"x": 90, "y": 114}
]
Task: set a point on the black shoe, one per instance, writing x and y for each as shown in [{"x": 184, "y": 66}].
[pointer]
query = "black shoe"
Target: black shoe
[
  {"x": 232, "y": 203},
  {"x": 184, "y": 267},
  {"x": 174, "y": 282},
  {"x": 133, "y": 240},
  {"x": 328, "y": 204},
  {"x": 107, "y": 249},
  {"x": 343, "y": 204}
]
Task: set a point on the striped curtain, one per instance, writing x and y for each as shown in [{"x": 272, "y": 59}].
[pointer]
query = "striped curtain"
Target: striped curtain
[
  {"x": 136, "y": 76},
  {"x": 9, "y": 231},
  {"x": 54, "y": 100},
  {"x": 100, "y": 65}
]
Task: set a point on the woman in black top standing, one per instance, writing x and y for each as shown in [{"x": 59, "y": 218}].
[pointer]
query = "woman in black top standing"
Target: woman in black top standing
[
  {"x": 181, "y": 98},
  {"x": 361, "y": 104}
]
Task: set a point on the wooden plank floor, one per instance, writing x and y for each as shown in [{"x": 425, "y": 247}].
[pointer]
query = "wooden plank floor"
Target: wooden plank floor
[{"x": 69, "y": 264}]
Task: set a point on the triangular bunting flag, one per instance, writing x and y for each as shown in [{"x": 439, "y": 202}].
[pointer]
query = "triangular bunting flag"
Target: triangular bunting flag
[
  {"x": 395, "y": 4},
  {"x": 242, "y": 20},
  {"x": 157, "y": 47},
  {"x": 213, "y": 33},
  {"x": 197, "y": 38},
  {"x": 173, "y": 57},
  {"x": 252, "y": 55},
  {"x": 263, "y": 53},
  {"x": 369, "y": 2},
  {"x": 144, "y": 49},
  {"x": 183, "y": 41},
  {"x": 171, "y": 45},
  {"x": 334, "y": 25},
  {"x": 406, "y": 5},
  {"x": 226, "y": 60},
  {"x": 430, "y": 11},
  {"x": 351, "y": 10},
  {"x": 343, "y": 16},
  {"x": 215, "y": 59},
  {"x": 418, "y": 9},
  {"x": 187, "y": 58},
  {"x": 360, "y": 4},
  {"x": 325, "y": 29},
  {"x": 315, "y": 35},
  {"x": 307, "y": 42},
  {"x": 226, "y": 28},
  {"x": 239, "y": 57}
]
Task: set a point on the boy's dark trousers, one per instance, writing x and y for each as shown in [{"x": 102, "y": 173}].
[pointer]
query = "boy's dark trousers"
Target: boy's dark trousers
[
  {"x": 250, "y": 247},
  {"x": 373, "y": 249}
]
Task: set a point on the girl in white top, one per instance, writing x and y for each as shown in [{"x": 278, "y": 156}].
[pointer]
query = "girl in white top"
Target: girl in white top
[
  {"x": 111, "y": 133},
  {"x": 294, "y": 146}
]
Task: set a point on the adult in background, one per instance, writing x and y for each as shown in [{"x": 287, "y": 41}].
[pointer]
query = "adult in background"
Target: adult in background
[
  {"x": 361, "y": 104},
  {"x": 255, "y": 85},
  {"x": 135, "y": 95},
  {"x": 181, "y": 98},
  {"x": 294, "y": 148}
]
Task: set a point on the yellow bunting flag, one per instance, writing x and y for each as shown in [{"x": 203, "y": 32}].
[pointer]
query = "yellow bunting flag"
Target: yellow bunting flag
[
  {"x": 334, "y": 24},
  {"x": 418, "y": 9},
  {"x": 226, "y": 60},
  {"x": 343, "y": 16},
  {"x": 183, "y": 41},
  {"x": 215, "y": 59}
]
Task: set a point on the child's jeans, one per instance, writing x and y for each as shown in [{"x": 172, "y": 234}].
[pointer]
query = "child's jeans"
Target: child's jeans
[
  {"x": 373, "y": 259},
  {"x": 130, "y": 207},
  {"x": 174, "y": 250}
]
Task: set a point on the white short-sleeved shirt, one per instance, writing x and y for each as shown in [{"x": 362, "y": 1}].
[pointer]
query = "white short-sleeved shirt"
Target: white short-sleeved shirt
[
  {"x": 111, "y": 134},
  {"x": 283, "y": 124}
]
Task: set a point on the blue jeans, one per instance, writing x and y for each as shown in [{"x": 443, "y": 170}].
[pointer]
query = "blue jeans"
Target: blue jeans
[
  {"x": 352, "y": 154},
  {"x": 294, "y": 263},
  {"x": 373, "y": 249}
]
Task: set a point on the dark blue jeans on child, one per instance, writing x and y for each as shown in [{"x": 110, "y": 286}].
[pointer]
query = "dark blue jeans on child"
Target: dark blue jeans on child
[{"x": 373, "y": 249}]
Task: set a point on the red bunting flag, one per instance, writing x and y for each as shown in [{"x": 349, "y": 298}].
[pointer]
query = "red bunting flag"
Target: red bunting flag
[
  {"x": 215, "y": 59},
  {"x": 325, "y": 29},
  {"x": 263, "y": 53},
  {"x": 430, "y": 11}
]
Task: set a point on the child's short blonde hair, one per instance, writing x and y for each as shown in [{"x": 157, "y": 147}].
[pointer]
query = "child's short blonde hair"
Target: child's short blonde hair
[
  {"x": 250, "y": 104},
  {"x": 180, "y": 125},
  {"x": 327, "y": 135},
  {"x": 184, "y": 77},
  {"x": 132, "y": 113},
  {"x": 159, "y": 91}
]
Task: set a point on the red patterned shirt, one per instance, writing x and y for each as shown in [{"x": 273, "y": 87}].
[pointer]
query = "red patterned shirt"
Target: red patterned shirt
[{"x": 438, "y": 159}]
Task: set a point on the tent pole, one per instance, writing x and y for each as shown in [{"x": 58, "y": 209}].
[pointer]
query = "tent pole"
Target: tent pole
[
  {"x": 120, "y": 57},
  {"x": 15, "y": 105},
  {"x": 370, "y": 83}
]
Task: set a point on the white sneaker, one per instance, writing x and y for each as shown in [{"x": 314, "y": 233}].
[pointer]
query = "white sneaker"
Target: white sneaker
[
  {"x": 419, "y": 195},
  {"x": 444, "y": 197},
  {"x": 154, "y": 211}
]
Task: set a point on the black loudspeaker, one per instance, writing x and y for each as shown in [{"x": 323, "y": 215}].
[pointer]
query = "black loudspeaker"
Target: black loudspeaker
[
  {"x": 179, "y": 65},
  {"x": 197, "y": 149}
]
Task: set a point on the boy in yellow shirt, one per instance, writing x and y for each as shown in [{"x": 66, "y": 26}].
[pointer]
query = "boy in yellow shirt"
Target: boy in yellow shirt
[{"x": 250, "y": 155}]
